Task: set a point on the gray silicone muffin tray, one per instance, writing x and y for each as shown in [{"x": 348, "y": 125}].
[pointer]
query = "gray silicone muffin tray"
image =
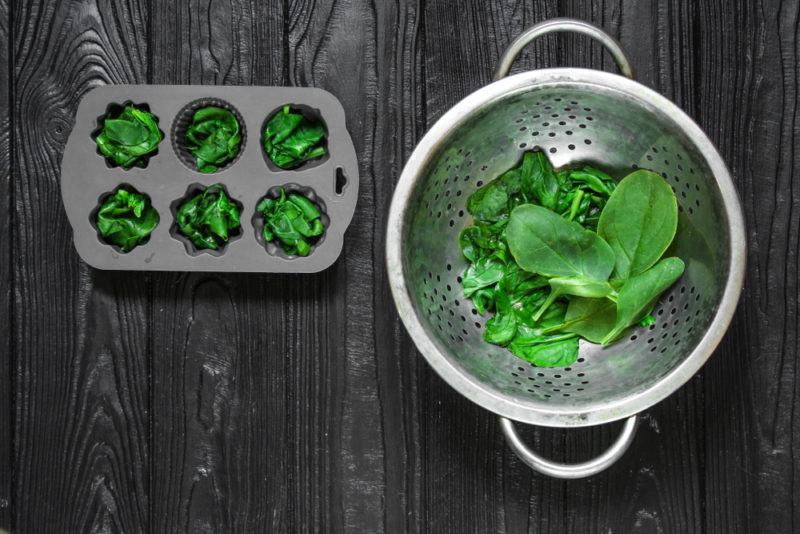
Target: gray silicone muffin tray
[{"x": 169, "y": 176}]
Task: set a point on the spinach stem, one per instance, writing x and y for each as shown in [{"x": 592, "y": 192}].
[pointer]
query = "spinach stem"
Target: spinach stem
[
  {"x": 576, "y": 204},
  {"x": 550, "y": 299}
]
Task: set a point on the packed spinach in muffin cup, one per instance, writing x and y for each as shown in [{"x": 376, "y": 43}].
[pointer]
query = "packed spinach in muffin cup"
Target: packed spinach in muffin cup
[
  {"x": 129, "y": 138},
  {"x": 213, "y": 138},
  {"x": 292, "y": 221},
  {"x": 291, "y": 139},
  {"x": 126, "y": 219},
  {"x": 209, "y": 218}
]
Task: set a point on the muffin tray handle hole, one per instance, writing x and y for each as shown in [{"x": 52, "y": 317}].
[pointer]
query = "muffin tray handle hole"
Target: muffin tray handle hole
[{"x": 340, "y": 182}]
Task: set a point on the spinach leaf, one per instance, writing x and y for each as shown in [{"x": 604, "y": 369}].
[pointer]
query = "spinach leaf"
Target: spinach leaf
[
  {"x": 493, "y": 201},
  {"x": 590, "y": 318},
  {"x": 539, "y": 180},
  {"x": 538, "y": 264},
  {"x": 481, "y": 240},
  {"x": 545, "y": 243},
  {"x": 639, "y": 293},
  {"x": 639, "y": 222},
  {"x": 213, "y": 138},
  {"x": 126, "y": 219},
  {"x": 290, "y": 139},
  {"x": 294, "y": 221},
  {"x": 561, "y": 353},
  {"x": 500, "y": 329},
  {"x": 208, "y": 218},
  {"x": 129, "y": 137},
  {"x": 485, "y": 272}
]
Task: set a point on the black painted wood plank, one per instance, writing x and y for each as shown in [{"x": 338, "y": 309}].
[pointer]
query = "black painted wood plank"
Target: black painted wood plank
[
  {"x": 237, "y": 359},
  {"x": 399, "y": 124},
  {"x": 335, "y": 46},
  {"x": 81, "y": 447},
  {"x": 6, "y": 275},
  {"x": 748, "y": 103}
]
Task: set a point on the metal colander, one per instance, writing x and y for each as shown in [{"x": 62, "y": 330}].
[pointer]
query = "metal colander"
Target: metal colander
[{"x": 577, "y": 116}]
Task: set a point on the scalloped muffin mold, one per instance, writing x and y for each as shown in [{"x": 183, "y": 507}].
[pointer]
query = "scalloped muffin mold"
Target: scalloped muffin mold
[
  {"x": 101, "y": 200},
  {"x": 86, "y": 177},
  {"x": 192, "y": 191},
  {"x": 113, "y": 110},
  {"x": 274, "y": 247}
]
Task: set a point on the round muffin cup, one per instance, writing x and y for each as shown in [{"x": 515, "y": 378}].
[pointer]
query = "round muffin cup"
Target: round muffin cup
[{"x": 184, "y": 119}]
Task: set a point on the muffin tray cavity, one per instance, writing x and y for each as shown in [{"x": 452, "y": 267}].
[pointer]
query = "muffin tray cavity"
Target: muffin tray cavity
[{"x": 168, "y": 176}]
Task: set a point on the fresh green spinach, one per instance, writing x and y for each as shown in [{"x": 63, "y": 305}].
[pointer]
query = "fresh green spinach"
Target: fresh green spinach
[
  {"x": 129, "y": 138},
  {"x": 590, "y": 318},
  {"x": 290, "y": 139},
  {"x": 545, "y": 243},
  {"x": 540, "y": 264},
  {"x": 208, "y": 218},
  {"x": 639, "y": 293},
  {"x": 126, "y": 219},
  {"x": 213, "y": 138},
  {"x": 294, "y": 221},
  {"x": 639, "y": 222}
]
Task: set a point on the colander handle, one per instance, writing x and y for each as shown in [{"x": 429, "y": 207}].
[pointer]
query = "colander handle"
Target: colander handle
[
  {"x": 570, "y": 471},
  {"x": 563, "y": 25}
]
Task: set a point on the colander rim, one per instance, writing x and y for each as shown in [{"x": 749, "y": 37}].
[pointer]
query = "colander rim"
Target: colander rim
[{"x": 533, "y": 411}]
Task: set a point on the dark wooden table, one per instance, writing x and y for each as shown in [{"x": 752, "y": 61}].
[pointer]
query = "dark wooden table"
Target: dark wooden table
[{"x": 169, "y": 402}]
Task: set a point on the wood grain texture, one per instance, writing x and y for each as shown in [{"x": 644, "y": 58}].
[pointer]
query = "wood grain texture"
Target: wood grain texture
[
  {"x": 241, "y": 364},
  {"x": 246, "y": 403},
  {"x": 6, "y": 275},
  {"x": 748, "y": 104},
  {"x": 81, "y": 370}
]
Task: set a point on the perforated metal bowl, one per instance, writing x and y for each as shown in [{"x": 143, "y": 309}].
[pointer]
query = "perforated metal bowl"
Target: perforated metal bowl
[{"x": 576, "y": 115}]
